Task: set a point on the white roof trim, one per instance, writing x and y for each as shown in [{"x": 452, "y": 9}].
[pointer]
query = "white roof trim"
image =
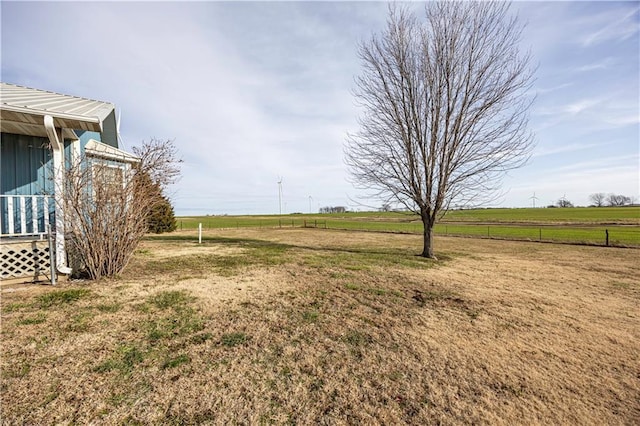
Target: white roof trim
[
  {"x": 107, "y": 152},
  {"x": 38, "y": 102}
]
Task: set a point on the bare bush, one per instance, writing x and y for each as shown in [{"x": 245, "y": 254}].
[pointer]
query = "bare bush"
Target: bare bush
[
  {"x": 107, "y": 203},
  {"x": 445, "y": 108}
]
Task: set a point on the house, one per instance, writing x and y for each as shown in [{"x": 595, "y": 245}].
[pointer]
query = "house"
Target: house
[{"x": 41, "y": 133}]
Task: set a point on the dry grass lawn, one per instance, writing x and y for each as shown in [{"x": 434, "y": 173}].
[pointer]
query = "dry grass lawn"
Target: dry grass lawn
[{"x": 314, "y": 326}]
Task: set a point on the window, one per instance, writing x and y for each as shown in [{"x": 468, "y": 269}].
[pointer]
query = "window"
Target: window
[{"x": 107, "y": 180}]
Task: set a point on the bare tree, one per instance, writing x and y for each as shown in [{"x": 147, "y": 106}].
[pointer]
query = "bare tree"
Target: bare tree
[
  {"x": 563, "y": 202},
  {"x": 598, "y": 199},
  {"x": 615, "y": 200},
  {"x": 445, "y": 108},
  {"x": 107, "y": 204}
]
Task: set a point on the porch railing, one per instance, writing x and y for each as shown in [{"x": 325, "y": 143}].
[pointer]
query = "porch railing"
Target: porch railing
[{"x": 25, "y": 215}]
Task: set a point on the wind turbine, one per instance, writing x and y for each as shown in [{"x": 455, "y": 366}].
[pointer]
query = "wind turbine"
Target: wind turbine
[
  {"x": 310, "y": 200},
  {"x": 534, "y": 198}
]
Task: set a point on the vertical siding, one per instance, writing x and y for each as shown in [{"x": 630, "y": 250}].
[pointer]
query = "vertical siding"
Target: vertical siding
[
  {"x": 25, "y": 165},
  {"x": 85, "y": 135},
  {"x": 25, "y": 169}
]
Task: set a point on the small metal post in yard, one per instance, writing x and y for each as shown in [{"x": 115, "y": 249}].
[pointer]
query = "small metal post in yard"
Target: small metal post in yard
[
  {"x": 280, "y": 223},
  {"x": 540, "y": 235},
  {"x": 181, "y": 225},
  {"x": 488, "y": 231},
  {"x": 315, "y": 223},
  {"x": 52, "y": 255},
  {"x": 200, "y": 233},
  {"x": 606, "y": 232}
]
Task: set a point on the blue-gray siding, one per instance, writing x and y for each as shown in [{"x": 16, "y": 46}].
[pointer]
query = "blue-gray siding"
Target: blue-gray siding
[{"x": 25, "y": 167}]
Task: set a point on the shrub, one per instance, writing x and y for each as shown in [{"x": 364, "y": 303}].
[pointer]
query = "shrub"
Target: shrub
[{"x": 162, "y": 218}]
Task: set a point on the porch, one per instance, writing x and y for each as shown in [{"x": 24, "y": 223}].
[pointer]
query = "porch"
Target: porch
[{"x": 25, "y": 243}]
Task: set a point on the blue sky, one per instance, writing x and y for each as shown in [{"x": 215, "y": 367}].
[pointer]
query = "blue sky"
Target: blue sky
[{"x": 255, "y": 91}]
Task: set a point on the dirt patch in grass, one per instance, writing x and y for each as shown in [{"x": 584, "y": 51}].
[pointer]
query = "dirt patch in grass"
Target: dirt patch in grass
[{"x": 314, "y": 326}]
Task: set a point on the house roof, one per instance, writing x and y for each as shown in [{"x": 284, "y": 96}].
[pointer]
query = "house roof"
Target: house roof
[
  {"x": 22, "y": 110},
  {"x": 101, "y": 150}
]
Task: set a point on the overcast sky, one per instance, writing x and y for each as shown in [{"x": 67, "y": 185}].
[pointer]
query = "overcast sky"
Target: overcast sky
[{"x": 254, "y": 92}]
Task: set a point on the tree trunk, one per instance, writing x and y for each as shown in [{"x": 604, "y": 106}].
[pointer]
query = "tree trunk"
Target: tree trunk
[{"x": 427, "y": 250}]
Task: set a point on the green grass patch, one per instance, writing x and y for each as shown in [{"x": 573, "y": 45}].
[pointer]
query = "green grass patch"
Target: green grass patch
[
  {"x": 310, "y": 316},
  {"x": 233, "y": 339},
  {"x": 184, "y": 323},
  {"x": 62, "y": 297},
  {"x": 357, "y": 338},
  {"x": 12, "y": 307},
  {"x": 39, "y": 318},
  {"x": 126, "y": 358},
  {"x": 377, "y": 291},
  {"x": 253, "y": 252},
  {"x": 176, "y": 361},
  {"x": 171, "y": 299},
  {"x": 80, "y": 322},
  {"x": 109, "y": 308},
  {"x": 16, "y": 371},
  {"x": 352, "y": 286}
]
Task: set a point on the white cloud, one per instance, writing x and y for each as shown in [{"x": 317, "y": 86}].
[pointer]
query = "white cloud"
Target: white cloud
[
  {"x": 621, "y": 27},
  {"x": 599, "y": 65}
]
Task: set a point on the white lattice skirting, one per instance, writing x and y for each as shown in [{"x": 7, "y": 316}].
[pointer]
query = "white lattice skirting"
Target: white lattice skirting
[{"x": 24, "y": 259}]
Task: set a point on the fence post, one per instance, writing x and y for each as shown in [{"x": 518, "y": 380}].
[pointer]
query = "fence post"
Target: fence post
[
  {"x": 606, "y": 232},
  {"x": 181, "y": 225},
  {"x": 540, "y": 235},
  {"x": 280, "y": 223},
  {"x": 52, "y": 254},
  {"x": 488, "y": 232},
  {"x": 200, "y": 233}
]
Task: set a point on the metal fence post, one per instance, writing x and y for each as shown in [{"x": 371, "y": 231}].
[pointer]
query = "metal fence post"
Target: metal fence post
[{"x": 52, "y": 254}]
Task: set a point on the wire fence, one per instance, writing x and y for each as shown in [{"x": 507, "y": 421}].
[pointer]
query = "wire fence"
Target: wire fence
[{"x": 616, "y": 235}]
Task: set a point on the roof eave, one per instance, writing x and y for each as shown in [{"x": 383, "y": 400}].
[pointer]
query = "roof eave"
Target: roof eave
[{"x": 62, "y": 119}]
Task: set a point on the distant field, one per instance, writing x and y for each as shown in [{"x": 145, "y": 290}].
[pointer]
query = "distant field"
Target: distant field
[
  {"x": 584, "y": 225},
  {"x": 627, "y": 215}
]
